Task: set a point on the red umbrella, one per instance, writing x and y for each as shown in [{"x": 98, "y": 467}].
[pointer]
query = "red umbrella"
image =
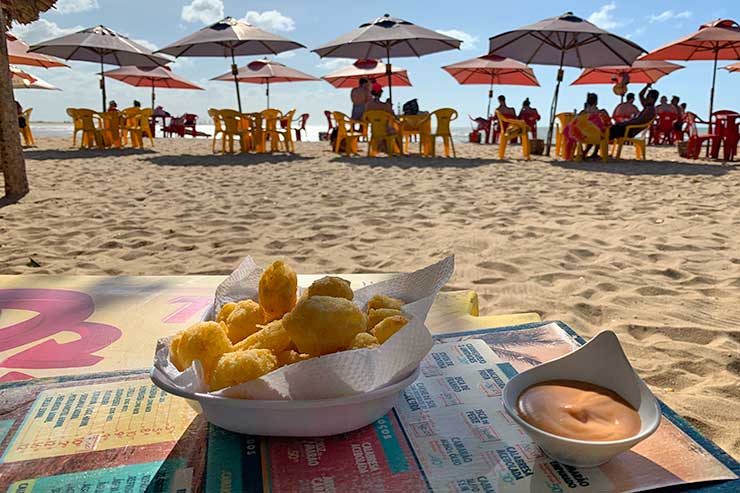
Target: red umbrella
[
  {"x": 265, "y": 72},
  {"x": 151, "y": 77},
  {"x": 735, "y": 67},
  {"x": 18, "y": 55},
  {"x": 347, "y": 77},
  {"x": 641, "y": 72},
  {"x": 490, "y": 70},
  {"x": 719, "y": 40}
]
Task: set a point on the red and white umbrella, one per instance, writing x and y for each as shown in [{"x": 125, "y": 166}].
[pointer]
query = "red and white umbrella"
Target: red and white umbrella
[
  {"x": 491, "y": 69},
  {"x": 640, "y": 72},
  {"x": 162, "y": 77},
  {"x": 348, "y": 77},
  {"x": 24, "y": 80},
  {"x": 18, "y": 54},
  {"x": 266, "y": 72}
]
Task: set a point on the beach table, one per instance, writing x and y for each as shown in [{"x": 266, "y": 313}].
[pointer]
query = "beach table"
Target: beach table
[{"x": 79, "y": 413}]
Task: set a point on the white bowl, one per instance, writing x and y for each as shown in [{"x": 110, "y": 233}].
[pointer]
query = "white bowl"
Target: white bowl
[
  {"x": 600, "y": 362},
  {"x": 310, "y": 418}
]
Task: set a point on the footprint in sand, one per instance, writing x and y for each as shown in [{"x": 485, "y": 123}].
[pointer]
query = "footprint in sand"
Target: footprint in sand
[
  {"x": 655, "y": 291},
  {"x": 499, "y": 266}
]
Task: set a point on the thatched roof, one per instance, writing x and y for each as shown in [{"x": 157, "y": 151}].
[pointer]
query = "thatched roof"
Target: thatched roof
[{"x": 24, "y": 11}]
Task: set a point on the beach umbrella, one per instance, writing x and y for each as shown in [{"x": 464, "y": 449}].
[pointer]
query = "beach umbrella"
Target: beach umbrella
[
  {"x": 102, "y": 45},
  {"x": 348, "y": 77},
  {"x": 266, "y": 72},
  {"x": 490, "y": 70},
  {"x": 735, "y": 67},
  {"x": 640, "y": 72},
  {"x": 718, "y": 40},
  {"x": 565, "y": 41},
  {"x": 230, "y": 37},
  {"x": 387, "y": 37},
  {"x": 18, "y": 54},
  {"x": 24, "y": 80},
  {"x": 162, "y": 77}
]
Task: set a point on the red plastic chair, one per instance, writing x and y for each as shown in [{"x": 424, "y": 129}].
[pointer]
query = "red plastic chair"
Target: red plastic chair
[
  {"x": 302, "y": 128},
  {"x": 531, "y": 121},
  {"x": 695, "y": 140},
  {"x": 330, "y": 121},
  {"x": 664, "y": 132},
  {"x": 725, "y": 126},
  {"x": 483, "y": 125}
]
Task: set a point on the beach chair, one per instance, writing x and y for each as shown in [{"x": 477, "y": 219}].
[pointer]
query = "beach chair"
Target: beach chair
[
  {"x": 303, "y": 119},
  {"x": 217, "y": 127},
  {"x": 234, "y": 126},
  {"x": 515, "y": 129},
  {"x": 347, "y": 133},
  {"x": 664, "y": 128},
  {"x": 92, "y": 136},
  {"x": 639, "y": 140},
  {"x": 285, "y": 132},
  {"x": 139, "y": 127},
  {"x": 28, "y": 139},
  {"x": 329, "y": 121},
  {"x": 111, "y": 128},
  {"x": 693, "y": 148},
  {"x": 382, "y": 125},
  {"x": 443, "y": 117},
  {"x": 590, "y": 135},
  {"x": 130, "y": 119},
  {"x": 270, "y": 120},
  {"x": 561, "y": 120},
  {"x": 77, "y": 124}
]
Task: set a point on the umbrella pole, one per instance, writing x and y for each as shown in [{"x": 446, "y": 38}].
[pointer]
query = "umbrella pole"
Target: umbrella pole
[
  {"x": 554, "y": 106},
  {"x": 235, "y": 72},
  {"x": 490, "y": 98},
  {"x": 711, "y": 93},
  {"x": 389, "y": 73},
  {"x": 267, "y": 93},
  {"x": 152, "y": 94},
  {"x": 102, "y": 82}
]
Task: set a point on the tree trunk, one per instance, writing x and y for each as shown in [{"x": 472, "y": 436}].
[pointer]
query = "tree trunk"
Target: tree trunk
[{"x": 11, "y": 153}]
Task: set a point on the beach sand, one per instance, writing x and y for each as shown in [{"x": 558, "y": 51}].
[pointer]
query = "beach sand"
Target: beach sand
[{"x": 649, "y": 250}]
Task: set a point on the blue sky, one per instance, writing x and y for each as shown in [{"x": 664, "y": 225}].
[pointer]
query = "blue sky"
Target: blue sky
[{"x": 158, "y": 23}]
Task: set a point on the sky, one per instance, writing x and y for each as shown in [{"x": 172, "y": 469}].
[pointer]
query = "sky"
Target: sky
[{"x": 158, "y": 23}]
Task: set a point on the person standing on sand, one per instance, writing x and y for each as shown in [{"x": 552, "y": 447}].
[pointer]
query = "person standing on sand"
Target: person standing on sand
[{"x": 360, "y": 96}]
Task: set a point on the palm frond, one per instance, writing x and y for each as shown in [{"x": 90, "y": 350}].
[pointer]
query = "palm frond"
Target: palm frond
[
  {"x": 24, "y": 11},
  {"x": 514, "y": 356}
]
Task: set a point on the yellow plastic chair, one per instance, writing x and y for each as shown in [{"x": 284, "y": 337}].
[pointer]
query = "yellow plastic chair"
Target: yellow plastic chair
[
  {"x": 256, "y": 137},
  {"x": 217, "y": 127},
  {"x": 443, "y": 116},
  {"x": 26, "y": 132},
  {"x": 415, "y": 127},
  {"x": 562, "y": 119},
  {"x": 111, "y": 128},
  {"x": 77, "y": 124},
  {"x": 638, "y": 140},
  {"x": 379, "y": 122},
  {"x": 139, "y": 127},
  {"x": 145, "y": 117},
  {"x": 130, "y": 119},
  {"x": 594, "y": 138},
  {"x": 286, "y": 132},
  {"x": 270, "y": 119},
  {"x": 515, "y": 129},
  {"x": 347, "y": 132},
  {"x": 92, "y": 136},
  {"x": 234, "y": 126}
]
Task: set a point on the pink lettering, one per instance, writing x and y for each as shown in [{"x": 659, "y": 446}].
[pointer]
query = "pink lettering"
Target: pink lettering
[{"x": 193, "y": 305}]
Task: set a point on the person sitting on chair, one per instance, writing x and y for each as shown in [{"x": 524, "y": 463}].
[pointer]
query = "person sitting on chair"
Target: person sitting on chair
[
  {"x": 530, "y": 116},
  {"x": 664, "y": 107},
  {"x": 137, "y": 104},
  {"x": 507, "y": 111},
  {"x": 679, "y": 113},
  {"x": 360, "y": 96},
  {"x": 648, "y": 97},
  {"x": 626, "y": 109},
  {"x": 376, "y": 104},
  {"x": 112, "y": 106}
]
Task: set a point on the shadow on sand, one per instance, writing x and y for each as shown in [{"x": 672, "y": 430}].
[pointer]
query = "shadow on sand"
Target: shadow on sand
[
  {"x": 654, "y": 168},
  {"x": 223, "y": 159},
  {"x": 47, "y": 154},
  {"x": 407, "y": 162}
]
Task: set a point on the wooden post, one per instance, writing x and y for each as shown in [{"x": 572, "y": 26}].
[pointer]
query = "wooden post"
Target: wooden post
[{"x": 11, "y": 153}]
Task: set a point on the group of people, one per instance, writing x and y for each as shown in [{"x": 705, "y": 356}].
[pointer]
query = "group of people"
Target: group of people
[
  {"x": 527, "y": 113},
  {"x": 592, "y": 120},
  {"x": 627, "y": 109}
]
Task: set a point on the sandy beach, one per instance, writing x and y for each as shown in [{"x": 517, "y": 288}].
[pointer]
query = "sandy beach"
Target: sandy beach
[{"x": 647, "y": 249}]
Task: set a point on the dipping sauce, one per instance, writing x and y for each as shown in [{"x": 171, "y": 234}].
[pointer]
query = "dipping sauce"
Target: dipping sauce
[{"x": 578, "y": 410}]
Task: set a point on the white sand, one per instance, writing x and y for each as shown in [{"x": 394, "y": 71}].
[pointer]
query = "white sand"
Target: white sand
[{"x": 649, "y": 250}]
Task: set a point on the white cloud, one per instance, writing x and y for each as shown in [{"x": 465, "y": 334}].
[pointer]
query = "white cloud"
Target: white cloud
[
  {"x": 333, "y": 63},
  {"x": 74, "y": 6},
  {"x": 205, "y": 11},
  {"x": 604, "y": 17},
  {"x": 272, "y": 20},
  {"x": 470, "y": 42},
  {"x": 667, "y": 15},
  {"x": 637, "y": 32},
  {"x": 42, "y": 30},
  {"x": 286, "y": 54},
  {"x": 146, "y": 44}
]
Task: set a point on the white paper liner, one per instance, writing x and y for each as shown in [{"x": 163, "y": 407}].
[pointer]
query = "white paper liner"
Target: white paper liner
[{"x": 334, "y": 375}]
